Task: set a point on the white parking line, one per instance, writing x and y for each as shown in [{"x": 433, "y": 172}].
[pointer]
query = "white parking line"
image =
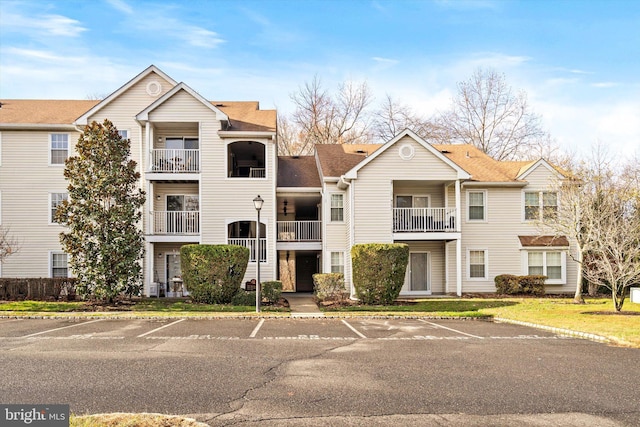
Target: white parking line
[
  {"x": 450, "y": 329},
  {"x": 161, "y": 327},
  {"x": 64, "y": 327},
  {"x": 357, "y": 332},
  {"x": 256, "y": 329}
]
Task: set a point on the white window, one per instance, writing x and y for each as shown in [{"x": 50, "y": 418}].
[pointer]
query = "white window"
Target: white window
[
  {"x": 540, "y": 204},
  {"x": 547, "y": 263},
  {"x": 181, "y": 143},
  {"x": 55, "y": 199},
  {"x": 477, "y": 205},
  {"x": 477, "y": 264},
  {"x": 337, "y": 262},
  {"x": 59, "y": 148},
  {"x": 124, "y": 134},
  {"x": 59, "y": 265},
  {"x": 407, "y": 201},
  {"x": 337, "y": 207}
]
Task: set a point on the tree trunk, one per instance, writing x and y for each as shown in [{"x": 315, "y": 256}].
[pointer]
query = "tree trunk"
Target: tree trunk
[
  {"x": 577, "y": 298},
  {"x": 618, "y": 299}
]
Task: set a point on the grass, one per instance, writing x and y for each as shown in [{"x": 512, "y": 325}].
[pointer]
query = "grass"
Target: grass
[{"x": 596, "y": 316}]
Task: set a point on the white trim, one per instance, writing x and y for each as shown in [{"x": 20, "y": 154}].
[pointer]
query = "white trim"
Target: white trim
[
  {"x": 343, "y": 253},
  {"x": 427, "y": 196},
  {"x": 84, "y": 119},
  {"x": 50, "y": 220},
  {"x": 563, "y": 263},
  {"x": 485, "y": 208},
  {"x": 57, "y": 252},
  {"x": 330, "y": 220},
  {"x": 353, "y": 173},
  {"x": 541, "y": 206},
  {"x": 407, "y": 283},
  {"x": 0, "y": 152},
  {"x": 144, "y": 114},
  {"x": 535, "y": 166},
  {"x": 50, "y": 148},
  {"x": 486, "y": 265},
  {"x": 241, "y": 178}
]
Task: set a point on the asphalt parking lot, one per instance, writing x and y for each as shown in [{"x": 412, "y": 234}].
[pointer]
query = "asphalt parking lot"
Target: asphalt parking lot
[{"x": 265, "y": 329}]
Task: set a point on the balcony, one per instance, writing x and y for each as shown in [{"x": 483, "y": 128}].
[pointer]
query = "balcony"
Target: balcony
[
  {"x": 175, "y": 161},
  {"x": 299, "y": 231},
  {"x": 422, "y": 220},
  {"x": 175, "y": 222},
  {"x": 250, "y": 243}
]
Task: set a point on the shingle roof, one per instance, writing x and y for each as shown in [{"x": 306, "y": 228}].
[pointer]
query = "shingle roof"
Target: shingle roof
[
  {"x": 37, "y": 111},
  {"x": 248, "y": 116},
  {"x": 299, "y": 171},
  {"x": 552, "y": 241},
  {"x": 335, "y": 160},
  {"x": 244, "y": 116},
  {"x": 479, "y": 165}
]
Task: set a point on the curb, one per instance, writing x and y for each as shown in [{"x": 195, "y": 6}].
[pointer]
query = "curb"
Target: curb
[{"x": 559, "y": 331}]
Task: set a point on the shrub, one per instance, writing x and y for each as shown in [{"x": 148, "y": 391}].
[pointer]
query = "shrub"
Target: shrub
[
  {"x": 271, "y": 291},
  {"x": 378, "y": 271},
  {"x": 212, "y": 273},
  {"x": 509, "y": 284},
  {"x": 244, "y": 298},
  {"x": 329, "y": 287}
]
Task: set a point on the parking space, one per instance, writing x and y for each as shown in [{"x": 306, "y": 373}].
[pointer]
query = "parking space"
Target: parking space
[{"x": 265, "y": 329}]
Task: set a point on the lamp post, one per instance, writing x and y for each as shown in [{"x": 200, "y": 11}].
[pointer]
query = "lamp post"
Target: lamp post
[{"x": 257, "y": 202}]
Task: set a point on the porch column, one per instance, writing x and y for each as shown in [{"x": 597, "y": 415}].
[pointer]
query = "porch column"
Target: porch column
[
  {"x": 147, "y": 219},
  {"x": 150, "y": 257},
  {"x": 458, "y": 207},
  {"x": 149, "y": 145},
  {"x": 459, "y": 267}
]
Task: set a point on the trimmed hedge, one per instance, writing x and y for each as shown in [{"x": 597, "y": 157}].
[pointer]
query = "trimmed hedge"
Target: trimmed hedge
[
  {"x": 38, "y": 289},
  {"x": 378, "y": 271},
  {"x": 511, "y": 285},
  {"x": 329, "y": 287},
  {"x": 271, "y": 291},
  {"x": 213, "y": 273}
]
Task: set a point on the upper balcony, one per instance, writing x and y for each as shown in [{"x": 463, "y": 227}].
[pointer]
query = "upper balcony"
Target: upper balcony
[
  {"x": 299, "y": 231},
  {"x": 175, "y": 161},
  {"x": 424, "y": 220}
]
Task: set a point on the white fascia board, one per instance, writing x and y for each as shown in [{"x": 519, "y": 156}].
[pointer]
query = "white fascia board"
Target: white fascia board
[
  {"x": 144, "y": 114},
  {"x": 37, "y": 126},
  {"x": 83, "y": 120},
  {"x": 353, "y": 173},
  {"x": 246, "y": 134},
  {"x": 541, "y": 162},
  {"x": 517, "y": 184},
  {"x": 291, "y": 190}
]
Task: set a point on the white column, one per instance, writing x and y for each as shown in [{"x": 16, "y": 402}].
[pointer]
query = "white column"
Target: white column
[
  {"x": 150, "y": 256},
  {"x": 459, "y": 267},
  {"x": 458, "y": 207}
]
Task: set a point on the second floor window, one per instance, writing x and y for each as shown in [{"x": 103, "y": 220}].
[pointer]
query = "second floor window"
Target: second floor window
[
  {"x": 337, "y": 207},
  {"x": 476, "y": 205},
  {"x": 59, "y": 148},
  {"x": 56, "y": 200},
  {"x": 540, "y": 204}
]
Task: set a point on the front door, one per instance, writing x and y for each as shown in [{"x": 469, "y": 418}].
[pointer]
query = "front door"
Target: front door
[
  {"x": 174, "y": 273},
  {"x": 306, "y": 267},
  {"x": 419, "y": 272}
]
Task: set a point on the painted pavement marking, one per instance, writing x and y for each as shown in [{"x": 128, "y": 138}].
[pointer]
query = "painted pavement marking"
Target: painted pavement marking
[
  {"x": 451, "y": 329},
  {"x": 256, "y": 329},
  {"x": 63, "y": 327},
  {"x": 161, "y": 327},
  {"x": 357, "y": 332}
]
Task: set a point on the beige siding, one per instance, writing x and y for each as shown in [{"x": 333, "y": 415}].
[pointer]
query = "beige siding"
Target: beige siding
[
  {"x": 181, "y": 107},
  {"x": 421, "y": 188},
  {"x": 26, "y": 179}
]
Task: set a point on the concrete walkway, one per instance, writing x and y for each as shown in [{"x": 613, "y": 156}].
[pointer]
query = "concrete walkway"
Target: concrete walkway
[{"x": 302, "y": 305}]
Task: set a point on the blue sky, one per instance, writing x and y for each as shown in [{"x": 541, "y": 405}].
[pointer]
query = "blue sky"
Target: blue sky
[{"x": 578, "y": 61}]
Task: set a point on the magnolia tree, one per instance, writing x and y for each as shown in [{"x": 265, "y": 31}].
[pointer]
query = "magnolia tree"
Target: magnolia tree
[
  {"x": 600, "y": 211},
  {"x": 102, "y": 214}
]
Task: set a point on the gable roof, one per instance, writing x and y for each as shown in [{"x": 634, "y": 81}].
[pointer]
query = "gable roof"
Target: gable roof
[
  {"x": 144, "y": 114},
  {"x": 335, "y": 159},
  {"x": 247, "y": 116},
  {"x": 479, "y": 165},
  {"x": 42, "y": 112},
  {"x": 298, "y": 171},
  {"x": 524, "y": 172},
  {"x": 353, "y": 172},
  {"x": 82, "y": 120}
]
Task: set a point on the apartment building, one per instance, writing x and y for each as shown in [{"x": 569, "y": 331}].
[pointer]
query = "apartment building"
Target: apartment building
[{"x": 465, "y": 216}]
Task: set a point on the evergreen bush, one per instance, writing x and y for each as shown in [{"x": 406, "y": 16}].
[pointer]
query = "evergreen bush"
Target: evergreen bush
[{"x": 378, "y": 271}]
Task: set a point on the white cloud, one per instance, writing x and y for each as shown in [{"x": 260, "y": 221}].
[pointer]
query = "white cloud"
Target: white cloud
[
  {"x": 381, "y": 60},
  {"x": 604, "y": 84},
  {"x": 121, "y": 5},
  {"x": 50, "y": 25}
]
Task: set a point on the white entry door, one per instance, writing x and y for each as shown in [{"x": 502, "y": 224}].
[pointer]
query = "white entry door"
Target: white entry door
[{"x": 419, "y": 272}]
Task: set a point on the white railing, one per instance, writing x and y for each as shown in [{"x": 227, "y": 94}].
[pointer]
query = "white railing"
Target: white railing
[
  {"x": 424, "y": 219},
  {"x": 175, "y": 161},
  {"x": 299, "y": 231},
  {"x": 176, "y": 222},
  {"x": 257, "y": 172},
  {"x": 250, "y": 242}
]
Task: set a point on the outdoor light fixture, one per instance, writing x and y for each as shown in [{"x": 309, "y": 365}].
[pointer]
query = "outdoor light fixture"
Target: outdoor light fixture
[
  {"x": 285, "y": 207},
  {"x": 257, "y": 203}
]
